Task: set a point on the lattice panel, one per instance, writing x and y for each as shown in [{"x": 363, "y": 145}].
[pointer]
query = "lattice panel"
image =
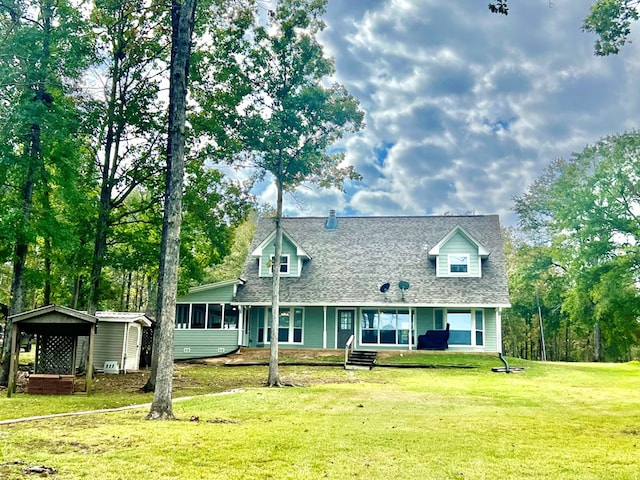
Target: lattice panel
[
  {"x": 55, "y": 354},
  {"x": 147, "y": 346}
]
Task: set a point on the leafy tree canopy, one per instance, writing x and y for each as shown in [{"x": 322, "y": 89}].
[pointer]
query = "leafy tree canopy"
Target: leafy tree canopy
[
  {"x": 588, "y": 209},
  {"x": 610, "y": 20}
]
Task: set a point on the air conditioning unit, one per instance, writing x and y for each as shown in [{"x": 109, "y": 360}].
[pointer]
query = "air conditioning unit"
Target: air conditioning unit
[{"x": 111, "y": 367}]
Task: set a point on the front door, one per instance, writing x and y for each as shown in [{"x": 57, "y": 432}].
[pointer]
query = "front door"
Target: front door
[{"x": 346, "y": 322}]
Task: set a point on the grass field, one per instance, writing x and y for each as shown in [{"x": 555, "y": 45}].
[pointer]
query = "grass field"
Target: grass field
[{"x": 550, "y": 421}]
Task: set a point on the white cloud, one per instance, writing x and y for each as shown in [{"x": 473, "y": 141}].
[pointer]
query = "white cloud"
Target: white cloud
[{"x": 465, "y": 108}]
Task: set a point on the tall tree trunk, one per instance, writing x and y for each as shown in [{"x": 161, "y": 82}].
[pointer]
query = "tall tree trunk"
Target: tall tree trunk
[
  {"x": 182, "y": 20},
  {"x": 566, "y": 342},
  {"x": 104, "y": 209},
  {"x": 77, "y": 285},
  {"x": 34, "y": 160},
  {"x": 274, "y": 372},
  {"x": 47, "y": 253},
  {"x": 47, "y": 272},
  {"x": 127, "y": 298},
  {"x": 597, "y": 343}
]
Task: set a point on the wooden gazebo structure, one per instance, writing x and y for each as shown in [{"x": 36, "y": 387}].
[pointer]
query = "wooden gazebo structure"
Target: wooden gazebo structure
[{"x": 57, "y": 329}]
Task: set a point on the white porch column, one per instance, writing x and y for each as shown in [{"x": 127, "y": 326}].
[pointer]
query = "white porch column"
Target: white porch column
[
  {"x": 240, "y": 324},
  {"x": 499, "y": 329},
  {"x": 411, "y": 327},
  {"x": 324, "y": 327}
]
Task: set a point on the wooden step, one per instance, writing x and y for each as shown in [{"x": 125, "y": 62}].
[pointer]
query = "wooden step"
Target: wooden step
[{"x": 361, "y": 360}]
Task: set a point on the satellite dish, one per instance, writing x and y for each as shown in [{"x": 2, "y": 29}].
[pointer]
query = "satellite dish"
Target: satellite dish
[
  {"x": 384, "y": 287},
  {"x": 402, "y": 285}
]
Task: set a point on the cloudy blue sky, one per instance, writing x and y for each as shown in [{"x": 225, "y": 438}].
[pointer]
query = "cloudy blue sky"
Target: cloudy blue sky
[{"x": 465, "y": 108}]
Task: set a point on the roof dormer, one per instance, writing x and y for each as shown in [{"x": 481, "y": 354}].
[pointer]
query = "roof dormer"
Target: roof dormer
[
  {"x": 293, "y": 256},
  {"x": 459, "y": 254}
]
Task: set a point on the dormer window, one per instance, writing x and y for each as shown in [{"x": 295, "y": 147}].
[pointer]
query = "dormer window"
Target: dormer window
[
  {"x": 458, "y": 254},
  {"x": 291, "y": 260},
  {"x": 284, "y": 263},
  {"x": 459, "y": 264}
]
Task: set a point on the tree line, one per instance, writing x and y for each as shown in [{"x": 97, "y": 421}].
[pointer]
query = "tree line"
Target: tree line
[
  {"x": 574, "y": 268},
  {"x": 85, "y": 158},
  {"x": 573, "y": 264},
  {"x": 118, "y": 121}
]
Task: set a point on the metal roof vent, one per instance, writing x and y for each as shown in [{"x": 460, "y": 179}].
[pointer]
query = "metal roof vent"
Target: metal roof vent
[{"x": 332, "y": 221}]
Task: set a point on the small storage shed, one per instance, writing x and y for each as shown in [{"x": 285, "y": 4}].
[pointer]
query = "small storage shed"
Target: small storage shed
[
  {"x": 57, "y": 330},
  {"x": 118, "y": 340}
]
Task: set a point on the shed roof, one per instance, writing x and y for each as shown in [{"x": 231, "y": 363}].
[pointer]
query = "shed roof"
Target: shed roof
[
  {"x": 124, "y": 317},
  {"x": 54, "y": 319}
]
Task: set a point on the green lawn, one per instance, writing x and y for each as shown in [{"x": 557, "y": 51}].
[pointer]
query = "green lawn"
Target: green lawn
[{"x": 551, "y": 421}]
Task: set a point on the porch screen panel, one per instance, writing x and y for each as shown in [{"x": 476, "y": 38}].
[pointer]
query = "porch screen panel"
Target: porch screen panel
[
  {"x": 214, "y": 320},
  {"x": 182, "y": 315},
  {"x": 231, "y": 316},
  {"x": 283, "y": 325},
  {"x": 198, "y": 313},
  {"x": 387, "y": 327}
]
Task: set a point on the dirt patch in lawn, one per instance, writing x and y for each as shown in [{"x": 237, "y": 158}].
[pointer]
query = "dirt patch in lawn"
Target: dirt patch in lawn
[{"x": 213, "y": 375}]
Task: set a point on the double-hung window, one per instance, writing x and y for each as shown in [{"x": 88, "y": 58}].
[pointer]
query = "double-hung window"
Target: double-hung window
[
  {"x": 284, "y": 263},
  {"x": 459, "y": 264}
]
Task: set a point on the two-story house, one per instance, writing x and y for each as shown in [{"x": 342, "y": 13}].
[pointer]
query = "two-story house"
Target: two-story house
[{"x": 384, "y": 280}]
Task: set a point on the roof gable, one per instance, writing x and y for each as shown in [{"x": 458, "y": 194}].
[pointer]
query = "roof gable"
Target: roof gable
[
  {"x": 482, "y": 250},
  {"x": 258, "y": 251},
  {"x": 60, "y": 313}
]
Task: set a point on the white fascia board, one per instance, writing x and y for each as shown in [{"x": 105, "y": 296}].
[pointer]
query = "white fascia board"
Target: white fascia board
[
  {"x": 300, "y": 252},
  {"x": 482, "y": 251},
  {"x": 377, "y": 304}
]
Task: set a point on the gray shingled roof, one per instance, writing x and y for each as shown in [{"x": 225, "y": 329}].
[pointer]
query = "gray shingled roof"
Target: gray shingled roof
[{"x": 349, "y": 264}]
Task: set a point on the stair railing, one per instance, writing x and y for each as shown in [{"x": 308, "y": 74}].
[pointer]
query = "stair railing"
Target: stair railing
[{"x": 348, "y": 347}]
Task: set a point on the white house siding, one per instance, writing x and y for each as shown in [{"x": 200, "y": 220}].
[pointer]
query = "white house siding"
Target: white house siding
[
  {"x": 204, "y": 343},
  {"x": 108, "y": 344}
]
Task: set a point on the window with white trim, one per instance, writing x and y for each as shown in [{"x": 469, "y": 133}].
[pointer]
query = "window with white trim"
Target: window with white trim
[
  {"x": 479, "y": 327},
  {"x": 387, "y": 326},
  {"x": 290, "y": 326},
  {"x": 284, "y": 263},
  {"x": 466, "y": 327},
  {"x": 206, "y": 316},
  {"x": 459, "y": 264}
]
